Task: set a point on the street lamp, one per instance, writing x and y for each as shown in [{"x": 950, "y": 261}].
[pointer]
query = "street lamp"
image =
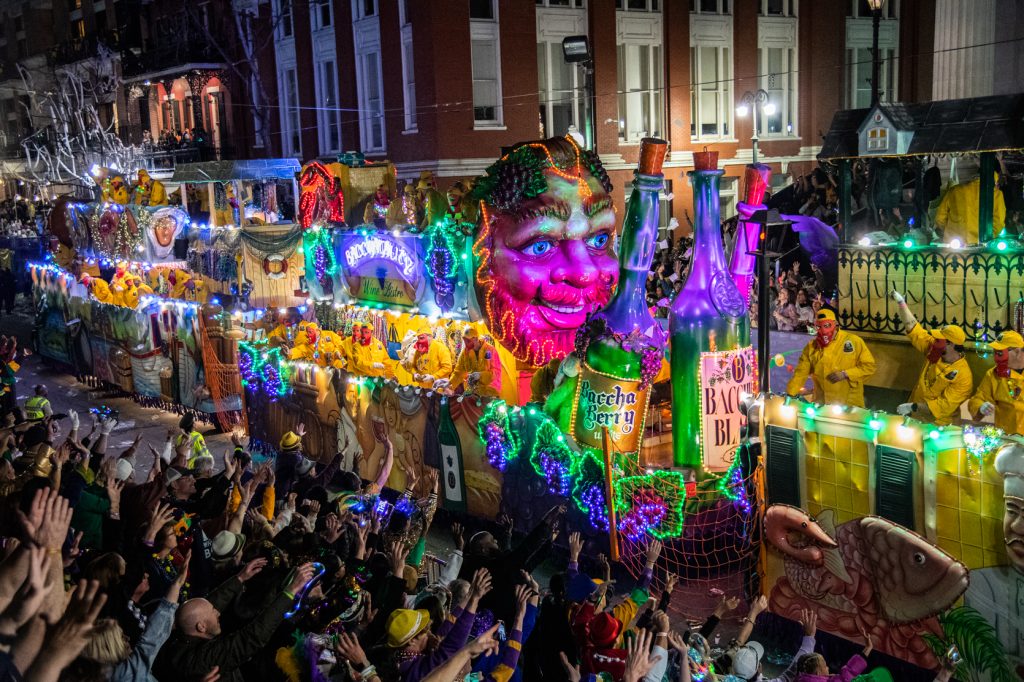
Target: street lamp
[
  {"x": 751, "y": 101},
  {"x": 876, "y": 62}
]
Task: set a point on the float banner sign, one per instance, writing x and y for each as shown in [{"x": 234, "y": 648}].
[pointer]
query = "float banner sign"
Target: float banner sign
[
  {"x": 724, "y": 376},
  {"x": 379, "y": 267},
  {"x": 605, "y": 401}
]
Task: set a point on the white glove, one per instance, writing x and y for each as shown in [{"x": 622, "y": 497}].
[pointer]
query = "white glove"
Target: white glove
[
  {"x": 427, "y": 378},
  {"x": 474, "y": 376},
  {"x": 441, "y": 383},
  {"x": 417, "y": 377},
  {"x": 906, "y": 408},
  {"x": 73, "y": 416},
  {"x": 986, "y": 409},
  {"x": 107, "y": 426},
  {"x": 378, "y": 365},
  {"x": 897, "y": 296}
]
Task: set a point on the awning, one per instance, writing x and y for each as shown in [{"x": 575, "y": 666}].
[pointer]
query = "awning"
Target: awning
[{"x": 247, "y": 169}]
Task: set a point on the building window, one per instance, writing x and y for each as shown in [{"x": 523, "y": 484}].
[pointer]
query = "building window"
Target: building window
[
  {"x": 486, "y": 55},
  {"x": 561, "y": 3},
  {"x": 371, "y": 118},
  {"x": 862, "y": 10},
  {"x": 878, "y": 139},
  {"x": 284, "y": 28},
  {"x": 640, "y": 90},
  {"x": 709, "y": 6},
  {"x": 408, "y": 68},
  {"x": 321, "y": 14},
  {"x": 329, "y": 115},
  {"x": 778, "y": 8},
  {"x": 710, "y": 92},
  {"x": 365, "y": 8},
  {"x": 482, "y": 9},
  {"x": 638, "y": 5},
  {"x": 562, "y": 104},
  {"x": 79, "y": 28},
  {"x": 291, "y": 124},
  {"x": 858, "y": 75},
  {"x": 777, "y": 69}
]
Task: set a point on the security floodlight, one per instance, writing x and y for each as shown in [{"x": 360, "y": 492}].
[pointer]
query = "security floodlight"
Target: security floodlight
[{"x": 576, "y": 49}]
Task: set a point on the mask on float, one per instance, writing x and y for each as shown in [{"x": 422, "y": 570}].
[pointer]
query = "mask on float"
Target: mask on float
[
  {"x": 365, "y": 336},
  {"x": 1002, "y": 358},
  {"x": 422, "y": 343},
  {"x": 827, "y": 329},
  {"x": 937, "y": 350}
]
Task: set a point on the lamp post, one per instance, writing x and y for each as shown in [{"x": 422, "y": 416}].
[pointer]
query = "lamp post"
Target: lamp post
[
  {"x": 751, "y": 102},
  {"x": 876, "y": 62}
]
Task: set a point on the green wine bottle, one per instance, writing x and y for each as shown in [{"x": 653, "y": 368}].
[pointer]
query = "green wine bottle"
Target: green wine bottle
[
  {"x": 626, "y": 350},
  {"x": 451, "y": 461},
  {"x": 711, "y": 356}
]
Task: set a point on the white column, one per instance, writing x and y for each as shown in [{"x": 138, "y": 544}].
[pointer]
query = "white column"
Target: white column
[{"x": 964, "y": 57}]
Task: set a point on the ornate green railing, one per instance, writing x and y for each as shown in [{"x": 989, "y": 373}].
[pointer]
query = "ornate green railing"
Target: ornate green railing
[{"x": 977, "y": 288}]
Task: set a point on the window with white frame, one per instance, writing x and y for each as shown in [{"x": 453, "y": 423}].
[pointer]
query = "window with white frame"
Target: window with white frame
[
  {"x": 638, "y": 5},
  {"x": 372, "y": 102},
  {"x": 709, "y": 6},
  {"x": 328, "y": 112},
  {"x": 562, "y": 104},
  {"x": 858, "y": 53},
  {"x": 777, "y": 74},
  {"x": 408, "y": 68},
  {"x": 320, "y": 14},
  {"x": 778, "y": 8},
  {"x": 560, "y": 3},
  {"x": 365, "y": 8},
  {"x": 640, "y": 62},
  {"x": 291, "y": 124},
  {"x": 284, "y": 28},
  {"x": 711, "y": 89},
  {"x": 486, "y": 67}
]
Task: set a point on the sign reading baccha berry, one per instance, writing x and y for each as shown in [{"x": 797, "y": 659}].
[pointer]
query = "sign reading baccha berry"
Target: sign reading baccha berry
[
  {"x": 604, "y": 401},
  {"x": 381, "y": 267},
  {"x": 724, "y": 377}
]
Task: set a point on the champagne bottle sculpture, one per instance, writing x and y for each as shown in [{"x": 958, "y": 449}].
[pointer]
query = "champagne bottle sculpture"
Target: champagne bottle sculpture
[
  {"x": 625, "y": 345},
  {"x": 712, "y": 360}
]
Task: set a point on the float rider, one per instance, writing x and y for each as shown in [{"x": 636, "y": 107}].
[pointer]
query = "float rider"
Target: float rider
[
  {"x": 946, "y": 380},
  {"x": 1000, "y": 390},
  {"x": 475, "y": 366},
  {"x": 191, "y": 442},
  {"x": 369, "y": 357},
  {"x": 837, "y": 362},
  {"x": 429, "y": 361},
  {"x": 38, "y": 406}
]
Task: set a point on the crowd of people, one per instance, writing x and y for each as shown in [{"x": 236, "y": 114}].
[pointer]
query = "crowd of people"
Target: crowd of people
[{"x": 286, "y": 569}]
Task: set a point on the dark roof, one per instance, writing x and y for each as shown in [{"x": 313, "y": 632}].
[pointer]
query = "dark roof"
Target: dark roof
[
  {"x": 248, "y": 169},
  {"x": 977, "y": 124}
]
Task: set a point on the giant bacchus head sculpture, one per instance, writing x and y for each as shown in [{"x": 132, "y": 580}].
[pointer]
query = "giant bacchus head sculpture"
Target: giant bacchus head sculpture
[{"x": 543, "y": 246}]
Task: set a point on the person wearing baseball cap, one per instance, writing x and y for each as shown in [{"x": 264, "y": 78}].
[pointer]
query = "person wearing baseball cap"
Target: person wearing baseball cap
[
  {"x": 946, "y": 381},
  {"x": 475, "y": 366},
  {"x": 1000, "y": 390},
  {"x": 837, "y": 362}
]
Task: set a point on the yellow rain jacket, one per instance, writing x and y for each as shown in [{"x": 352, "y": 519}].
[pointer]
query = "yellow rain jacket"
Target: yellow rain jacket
[
  {"x": 437, "y": 362},
  {"x": 364, "y": 358},
  {"x": 846, "y": 353},
  {"x": 957, "y": 215},
  {"x": 480, "y": 361},
  {"x": 943, "y": 386},
  {"x": 196, "y": 447},
  {"x": 1007, "y": 394}
]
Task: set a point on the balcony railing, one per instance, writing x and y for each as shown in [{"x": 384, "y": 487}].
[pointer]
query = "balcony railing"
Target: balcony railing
[
  {"x": 77, "y": 49},
  {"x": 166, "y": 55}
]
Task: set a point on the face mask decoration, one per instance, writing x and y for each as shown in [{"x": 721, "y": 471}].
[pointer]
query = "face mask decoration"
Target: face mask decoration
[
  {"x": 1002, "y": 358},
  {"x": 366, "y": 336},
  {"x": 422, "y": 343},
  {"x": 937, "y": 350},
  {"x": 826, "y": 331}
]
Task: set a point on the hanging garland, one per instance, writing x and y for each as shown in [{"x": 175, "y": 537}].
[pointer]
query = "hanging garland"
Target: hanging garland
[
  {"x": 263, "y": 370},
  {"x": 980, "y": 442}
]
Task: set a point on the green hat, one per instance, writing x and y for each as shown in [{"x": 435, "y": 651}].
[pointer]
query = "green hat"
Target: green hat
[{"x": 876, "y": 675}]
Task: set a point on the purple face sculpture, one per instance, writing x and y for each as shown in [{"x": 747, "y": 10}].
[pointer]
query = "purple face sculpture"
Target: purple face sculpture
[{"x": 544, "y": 247}]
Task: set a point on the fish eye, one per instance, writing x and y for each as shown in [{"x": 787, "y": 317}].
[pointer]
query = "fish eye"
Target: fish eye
[{"x": 919, "y": 558}]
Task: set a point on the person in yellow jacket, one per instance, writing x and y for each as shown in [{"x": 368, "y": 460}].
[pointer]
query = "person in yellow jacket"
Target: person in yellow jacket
[
  {"x": 837, "y": 361},
  {"x": 1000, "y": 390},
  {"x": 191, "y": 441},
  {"x": 369, "y": 357},
  {"x": 428, "y": 360},
  {"x": 148, "y": 192},
  {"x": 957, "y": 215},
  {"x": 475, "y": 366},
  {"x": 946, "y": 381}
]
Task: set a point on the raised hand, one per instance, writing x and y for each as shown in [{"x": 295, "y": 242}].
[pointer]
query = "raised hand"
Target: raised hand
[
  {"x": 523, "y": 595},
  {"x": 332, "y": 529},
  {"x": 572, "y": 672},
  {"x": 676, "y": 641},
  {"x": 302, "y": 576},
  {"x": 75, "y": 551},
  {"x": 809, "y": 619},
  {"x": 480, "y": 586},
  {"x": 670, "y": 582},
  {"x": 485, "y": 643},
  {"x": 251, "y": 569},
  {"x": 653, "y": 552},
  {"x": 575, "y": 547},
  {"x": 347, "y": 646},
  {"x": 758, "y": 606},
  {"x": 398, "y": 552},
  {"x": 638, "y": 662},
  {"x": 30, "y": 596},
  {"x": 67, "y": 639},
  {"x": 458, "y": 536},
  {"x": 300, "y": 430},
  {"x": 174, "y": 591}
]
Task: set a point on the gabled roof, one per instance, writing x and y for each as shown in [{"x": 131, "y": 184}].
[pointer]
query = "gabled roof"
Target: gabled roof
[
  {"x": 247, "y": 169},
  {"x": 951, "y": 126}
]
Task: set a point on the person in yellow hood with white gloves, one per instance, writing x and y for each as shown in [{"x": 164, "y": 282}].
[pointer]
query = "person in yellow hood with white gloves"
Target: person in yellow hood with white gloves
[
  {"x": 369, "y": 357},
  {"x": 428, "y": 360},
  {"x": 946, "y": 380},
  {"x": 475, "y": 366},
  {"x": 1001, "y": 390},
  {"x": 837, "y": 361}
]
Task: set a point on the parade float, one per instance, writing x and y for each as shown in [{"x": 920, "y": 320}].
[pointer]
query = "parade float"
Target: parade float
[{"x": 499, "y": 334}]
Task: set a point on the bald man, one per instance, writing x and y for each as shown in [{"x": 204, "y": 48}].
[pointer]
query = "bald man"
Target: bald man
[{"x": 199, "y": 644}]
